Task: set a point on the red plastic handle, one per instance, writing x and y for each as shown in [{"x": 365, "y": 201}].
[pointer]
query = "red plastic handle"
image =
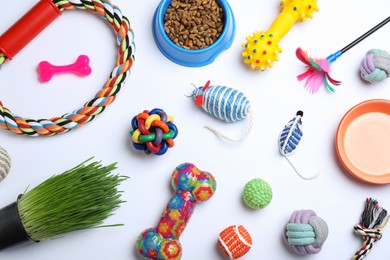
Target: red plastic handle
[{"x": 28, "y": 27}]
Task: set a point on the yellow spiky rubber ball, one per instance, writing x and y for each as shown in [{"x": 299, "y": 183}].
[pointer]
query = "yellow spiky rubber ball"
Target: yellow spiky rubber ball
[
  {"x": 300, "y": 9},
  {"x": 261, "y": 50}
]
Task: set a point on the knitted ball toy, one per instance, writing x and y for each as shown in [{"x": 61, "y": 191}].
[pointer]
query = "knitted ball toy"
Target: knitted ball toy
[
  {"x": 235, "y": 241},
  {"x": 306, "y": 232},
  {"x": 375, "y": 66},
  {"x": 5, "y": 163},
  {"x": 153, "y": 131},
  {"x": 257, "y": 194}
]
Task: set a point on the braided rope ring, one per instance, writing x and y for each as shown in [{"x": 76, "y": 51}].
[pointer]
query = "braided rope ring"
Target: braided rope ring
[{"x": 65, "y": 123}]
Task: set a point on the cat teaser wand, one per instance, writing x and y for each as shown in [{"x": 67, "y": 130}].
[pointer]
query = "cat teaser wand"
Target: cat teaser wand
[{"x": 318, "y": 70}]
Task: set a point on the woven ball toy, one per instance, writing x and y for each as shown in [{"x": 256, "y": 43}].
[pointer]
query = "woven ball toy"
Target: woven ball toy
[
  {"x": 375, "y": 66},
  {"x": 257, "y": 194},
  {"x": 235, "y": 241},
  {"x": 153, "y": 131},
  {"x": 29, "y": 26},
  {"x": 5, "y": 163},
  {"x": 306, "y": 232}
]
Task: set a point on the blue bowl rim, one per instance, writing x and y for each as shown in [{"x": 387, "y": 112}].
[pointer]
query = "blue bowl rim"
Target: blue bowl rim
[{"x": 216, "y": 48}]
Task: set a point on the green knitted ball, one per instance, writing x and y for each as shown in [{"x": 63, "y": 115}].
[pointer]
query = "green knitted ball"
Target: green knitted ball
[{"x": 257, "y": 194}]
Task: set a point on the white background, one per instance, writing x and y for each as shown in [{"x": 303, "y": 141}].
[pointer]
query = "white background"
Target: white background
[{"x": 155, "y": 81}]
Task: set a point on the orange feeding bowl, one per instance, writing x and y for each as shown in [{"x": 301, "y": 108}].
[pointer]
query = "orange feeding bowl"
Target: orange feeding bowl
[{"x": 363, "y": 141}]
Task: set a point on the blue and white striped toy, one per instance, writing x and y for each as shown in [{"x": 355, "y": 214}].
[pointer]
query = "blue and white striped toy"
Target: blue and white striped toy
[
  {"x": 289, "y": 139},
  {"x": 225, "y": 103},
  {"x": 291, "y": 135}
]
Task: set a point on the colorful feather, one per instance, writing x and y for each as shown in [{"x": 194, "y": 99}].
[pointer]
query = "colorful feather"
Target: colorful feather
[{"x": 317, "y": 73}]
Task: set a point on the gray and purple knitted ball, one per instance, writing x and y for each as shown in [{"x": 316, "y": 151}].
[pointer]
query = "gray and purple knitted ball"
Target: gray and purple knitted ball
[
  {"x": 375, "y": 66},
  {"x": 5, "y": 163},
  {"x": 306, "y": 232}
]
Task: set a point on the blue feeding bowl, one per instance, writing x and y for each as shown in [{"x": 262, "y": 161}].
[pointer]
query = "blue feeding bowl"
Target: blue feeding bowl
[{"x": 193, "y": 58}]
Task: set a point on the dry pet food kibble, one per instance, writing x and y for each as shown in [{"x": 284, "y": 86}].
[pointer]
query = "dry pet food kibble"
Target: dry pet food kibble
[{"x": 193, "y": 24}]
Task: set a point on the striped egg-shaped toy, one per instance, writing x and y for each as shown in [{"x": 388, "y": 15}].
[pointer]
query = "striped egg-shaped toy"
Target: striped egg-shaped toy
[
  {"x": 5, "y": 163},
  {"x": 225, "y": 103}
]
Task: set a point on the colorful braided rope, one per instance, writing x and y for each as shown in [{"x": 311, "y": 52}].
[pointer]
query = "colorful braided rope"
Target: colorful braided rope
[
  {"x": 370, "y": 236},
  {"x": 65, "y": 123},
  {"x": 153, "y": 131},
  {"x": 372, "y": 219}
]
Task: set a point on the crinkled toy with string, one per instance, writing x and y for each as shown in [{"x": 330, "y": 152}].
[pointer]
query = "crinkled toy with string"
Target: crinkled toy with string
[
  {"x": 153, "y": 131},
  {"x": 289, "y": 139},
  {"x": 225, "y": 103},
  {"x": 29, "y": 26}
]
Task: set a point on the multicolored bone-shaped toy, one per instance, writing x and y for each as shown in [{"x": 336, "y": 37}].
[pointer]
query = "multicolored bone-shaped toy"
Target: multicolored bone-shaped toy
[
  {"x": 191, "y": 185},
  {"x": 262, "y": 48},
  {"x": 81, "y": 67}
]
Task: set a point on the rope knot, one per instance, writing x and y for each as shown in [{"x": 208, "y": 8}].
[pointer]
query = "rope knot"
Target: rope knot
[
  {"x": 153, "y": 131},
  {"x": 375, "y": 66},
  {"x": 366, "y": 233},
  {"x": 306, "y": 232}
]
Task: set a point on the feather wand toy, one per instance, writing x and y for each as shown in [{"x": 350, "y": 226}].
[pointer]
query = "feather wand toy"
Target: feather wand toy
[
  {"x": 78, "y": 199},
  {"x": 318, "y": 69}
]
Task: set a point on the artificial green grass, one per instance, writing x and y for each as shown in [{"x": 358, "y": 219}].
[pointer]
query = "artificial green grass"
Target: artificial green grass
[{"x": 80, "y": 198}]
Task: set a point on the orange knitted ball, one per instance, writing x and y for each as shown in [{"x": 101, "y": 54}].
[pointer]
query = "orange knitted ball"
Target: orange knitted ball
[{"x": 235, "y": 241}]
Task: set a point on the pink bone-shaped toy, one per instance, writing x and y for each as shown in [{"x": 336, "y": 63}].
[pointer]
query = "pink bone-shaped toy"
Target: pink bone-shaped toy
[
  {"x": 80, "y": 67},
  {"x": 191, "y": 185}
]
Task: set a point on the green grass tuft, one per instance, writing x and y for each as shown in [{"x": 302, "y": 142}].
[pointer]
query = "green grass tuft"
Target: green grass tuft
[{"x": 80, "y": 198}]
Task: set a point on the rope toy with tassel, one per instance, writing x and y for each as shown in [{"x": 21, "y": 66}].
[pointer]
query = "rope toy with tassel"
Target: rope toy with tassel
[
  {"x": 372, "y": 219},
  {"x": 318, "y": 69},
  {"x": 153, "y": 131},
  {"x": 289, "y": 139},
  {"x": 306, "y": 232},
  {"x": 375, "y": 66},
  {"x": 226, "y": 104},
  {"x": 12, "y": 41},
  {"x": 262, "y": 48}
]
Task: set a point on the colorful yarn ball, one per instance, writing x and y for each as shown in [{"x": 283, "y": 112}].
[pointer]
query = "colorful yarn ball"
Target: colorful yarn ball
[
  {"x": 235, "y": 241},
  {"x": 5, "y": 163},
  {"x": 257, "y": 194},
  {"x": 153, "y": 131},
  {"x": 306, "y": 232},
  {"x": 375, "y": 66}
]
